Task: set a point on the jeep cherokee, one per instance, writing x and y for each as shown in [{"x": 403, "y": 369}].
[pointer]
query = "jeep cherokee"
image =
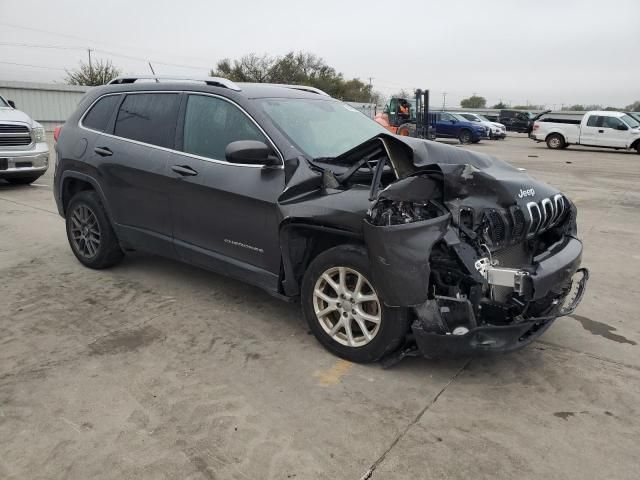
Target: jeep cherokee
[{"x": 394, "y": 245}]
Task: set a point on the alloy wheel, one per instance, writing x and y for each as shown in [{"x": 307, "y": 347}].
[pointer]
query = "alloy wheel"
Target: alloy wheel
[
  {"x": 347, "y": 307},
  {"x": 85, "y": 231}
]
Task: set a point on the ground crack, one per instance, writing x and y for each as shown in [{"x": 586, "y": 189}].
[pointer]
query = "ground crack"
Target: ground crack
[{"x": 372, "y": 468}]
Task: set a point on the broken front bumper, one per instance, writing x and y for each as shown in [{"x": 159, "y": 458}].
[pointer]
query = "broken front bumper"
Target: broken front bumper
[{"x": 556, "y": 267}]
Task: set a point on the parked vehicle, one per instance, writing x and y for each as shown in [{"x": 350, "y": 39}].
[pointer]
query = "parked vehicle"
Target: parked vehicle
[
  {"x": 497, "y": 131},
  {"x": 516, "y": 120},
  {"x": 394, "y": 245},
  {"x": 24, "y": 154},
  {"x": 635, "y": 115},
  {"x": 598, "y": 129},
  {"x": 452, "y": 125},
  {"x": 408, "y": 117},
  {"x": 572, "y": 118}
]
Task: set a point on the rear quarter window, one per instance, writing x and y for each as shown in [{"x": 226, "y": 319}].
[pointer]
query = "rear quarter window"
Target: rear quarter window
[
  {"x": 98, "y": 116},
  {"x": 149, "y": 118}
]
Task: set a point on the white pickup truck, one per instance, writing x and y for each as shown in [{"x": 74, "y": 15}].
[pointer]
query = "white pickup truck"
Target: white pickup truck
[
  {"x": 24, "y": 154},
  {"x": 596, "y": 129}
]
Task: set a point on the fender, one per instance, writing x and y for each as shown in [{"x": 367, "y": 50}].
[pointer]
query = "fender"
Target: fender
[
  {"x": 289, "y": 283},
  {"x": 67, "y": 174}
]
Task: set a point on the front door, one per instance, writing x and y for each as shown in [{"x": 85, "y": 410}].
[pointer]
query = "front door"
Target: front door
[
  {"x": 614, "y": 133},
  {"x": 225, "y": 216}
]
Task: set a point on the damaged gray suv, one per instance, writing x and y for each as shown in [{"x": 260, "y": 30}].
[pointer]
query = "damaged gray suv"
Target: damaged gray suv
[{"x": 395, "y": 246}]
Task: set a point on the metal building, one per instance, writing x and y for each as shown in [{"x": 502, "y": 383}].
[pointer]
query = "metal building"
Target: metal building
[{"x": 48, "y": 103}]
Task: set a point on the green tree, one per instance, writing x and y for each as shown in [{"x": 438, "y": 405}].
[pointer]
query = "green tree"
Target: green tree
[
  {"x": 98, "y": 73},
  {"x": 634, "y": 107},
  {"x": 297, "y": 68},
  {"x": 500, "y": 105},
  {"x": 474, "y": 101},
  {"x": 528, "y": 107},
  {"x": 574, "y": 108}
]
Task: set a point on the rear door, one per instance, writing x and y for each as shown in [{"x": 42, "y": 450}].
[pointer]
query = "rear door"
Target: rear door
[
  {"x": 225, "y": 216},
  {"x": 590, "y": 130},
  {"x": 134, "y": 155},
  {"x": 447, "y": 125}
]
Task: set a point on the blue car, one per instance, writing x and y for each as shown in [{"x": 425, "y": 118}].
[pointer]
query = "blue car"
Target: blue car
[{"x": 452, "y": 125}]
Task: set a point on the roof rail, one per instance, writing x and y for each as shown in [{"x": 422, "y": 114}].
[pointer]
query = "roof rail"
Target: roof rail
[
  {"x": 304, "y": 88},
  {"x": 213, "y": 81}
]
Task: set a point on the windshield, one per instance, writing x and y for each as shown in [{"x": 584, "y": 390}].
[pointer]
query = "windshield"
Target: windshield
[
  {"x": 3, "y": 103},
  {"x": 320, "y": 128},
  {"x": 483, "y": 118},
  {"x": 471, "y": 116},
  {"x": 629, "y": 120},
  {"x": 460, "y": 118}
]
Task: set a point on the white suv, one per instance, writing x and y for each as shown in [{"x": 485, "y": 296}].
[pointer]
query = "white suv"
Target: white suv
[
  {"x": 496, "y": 130},
  {"x": 24, "y": 154}
]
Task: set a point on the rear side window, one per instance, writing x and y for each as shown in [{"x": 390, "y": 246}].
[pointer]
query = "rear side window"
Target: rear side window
[
  {"x": 149, "y": 118},
  {"x": 594, "y": 121},
  {"x": 98, "y": 116},
  {"x": 210, "y": 124}
]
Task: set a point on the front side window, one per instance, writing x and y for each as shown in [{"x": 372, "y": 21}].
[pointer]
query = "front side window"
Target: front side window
[
  {"x": 149, "y": 118},
  {"x": 210, "y": 124},
  {"x": 611, "y": 122},
  {"x": 99, "y": 115}
]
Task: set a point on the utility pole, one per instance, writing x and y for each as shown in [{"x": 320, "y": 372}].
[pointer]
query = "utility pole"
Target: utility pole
[
  {"x": 444, "y": 99},
  {"x": 90, "y": 66}
]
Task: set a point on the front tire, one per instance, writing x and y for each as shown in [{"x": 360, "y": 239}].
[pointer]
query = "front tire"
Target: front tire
[
  {"x": 464, "y": 137},
  {"x": 89, "y": 232},
  {"x": 555, "y": 141},
  {"x": 344, "y": 310}
]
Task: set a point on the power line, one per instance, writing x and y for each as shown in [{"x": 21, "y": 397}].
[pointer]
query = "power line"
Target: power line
[
  {"x": 33, "y": 45},
  {"x": 33, "y": 66}
]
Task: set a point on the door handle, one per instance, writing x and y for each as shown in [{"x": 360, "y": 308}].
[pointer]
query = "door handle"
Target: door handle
[
  {"x": 184, "y": 170},
  {"x": 103, "y": 151},
  {"x": 600, "y": 131}
]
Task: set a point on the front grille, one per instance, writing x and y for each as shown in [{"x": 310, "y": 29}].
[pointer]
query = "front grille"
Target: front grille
[
  {"x": 12, "y": 135},
  {"x": 545, "y": 214},
  {"x": 518, "y": 223},
  {"x": 494, "y": 227}
]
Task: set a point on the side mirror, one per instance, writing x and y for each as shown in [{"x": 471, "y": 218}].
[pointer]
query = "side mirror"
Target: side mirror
[
  {"x": 11, "y": 103},
  {"x": 452, "y": 121},
  {"x": 250, "y": 152},
  {"x": 622, "y": 127}
]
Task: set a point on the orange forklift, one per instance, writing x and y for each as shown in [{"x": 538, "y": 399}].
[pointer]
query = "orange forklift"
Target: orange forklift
[{"x": 409, "y": 118}]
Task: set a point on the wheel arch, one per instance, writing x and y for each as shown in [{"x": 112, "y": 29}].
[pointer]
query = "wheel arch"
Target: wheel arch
[
  {"x": 556, "y": 132},
  {"x": 301, "y": 242},
  {"x": 73, "y": 182}
]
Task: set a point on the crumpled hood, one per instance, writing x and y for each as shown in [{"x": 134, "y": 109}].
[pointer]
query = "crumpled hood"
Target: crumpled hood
[
  {"x": 469, "y": 178},
  {"x": 12, "y": 115}
]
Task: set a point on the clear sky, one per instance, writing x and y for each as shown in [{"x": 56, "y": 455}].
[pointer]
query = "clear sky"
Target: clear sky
[{"x": 542, "y": 51}]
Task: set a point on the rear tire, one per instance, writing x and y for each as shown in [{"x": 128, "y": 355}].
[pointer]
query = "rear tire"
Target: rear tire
[
  {"x": 89, "y": 232},
  {"x": 339, "y": 302},
  {"x": 464, "y": 136},
  {"x": 23, "y": 180},
  {"x": 555, "y": 141}
]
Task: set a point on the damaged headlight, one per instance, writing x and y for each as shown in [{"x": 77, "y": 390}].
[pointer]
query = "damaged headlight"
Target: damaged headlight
[{"x": 388, "y": 212}]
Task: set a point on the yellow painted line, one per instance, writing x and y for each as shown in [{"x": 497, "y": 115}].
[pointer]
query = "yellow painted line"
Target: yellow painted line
[{"x": 333, "y": 375}]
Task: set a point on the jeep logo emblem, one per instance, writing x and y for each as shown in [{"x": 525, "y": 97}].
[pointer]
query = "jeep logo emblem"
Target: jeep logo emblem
[{"x": 526, "y": 193}]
